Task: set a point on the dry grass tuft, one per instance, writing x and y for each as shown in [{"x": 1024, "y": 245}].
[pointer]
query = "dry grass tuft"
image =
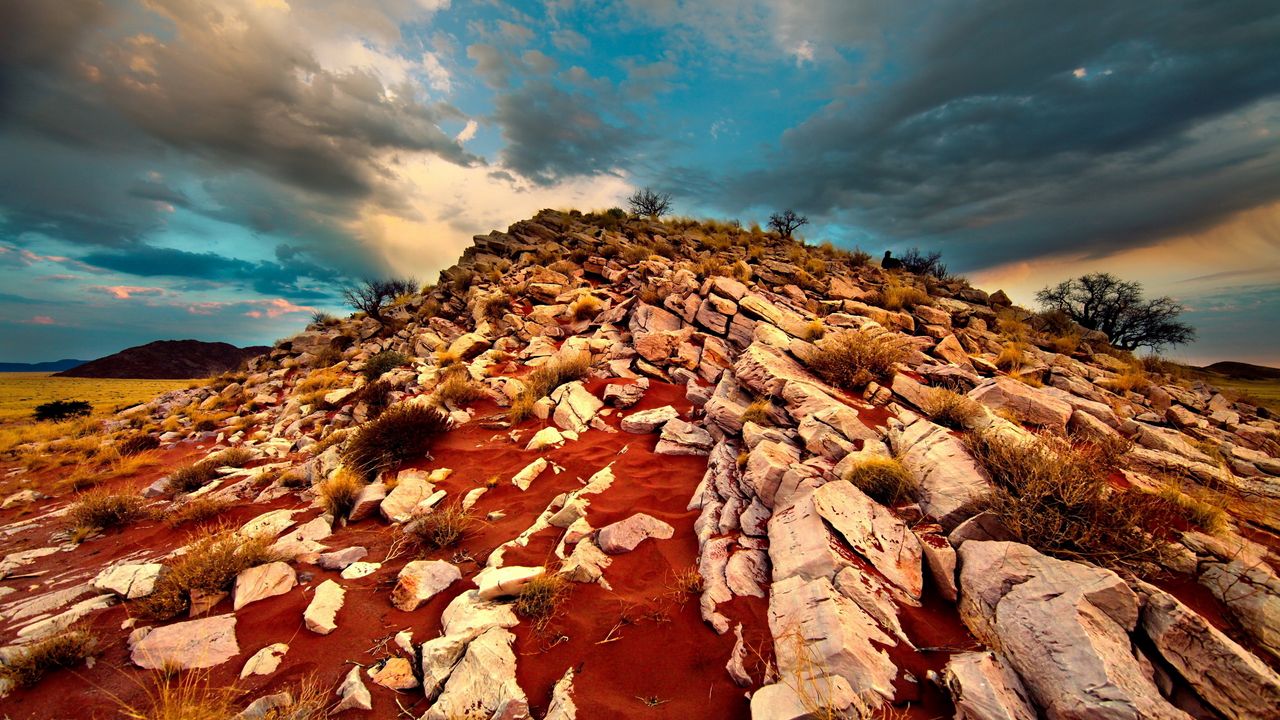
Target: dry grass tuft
[
  {"x": 852, "y": 358},
  {"x": 1199, "y": 506},
  {"x": 210, "y": 564},
  {"x": 193, "y": 696},
  {"x": 102, "y": 511},
  {"x": 521, "y": 408},
  {"x": 338, "y": 494},
  {"x": 903, "y": 297},
  {"x": 757, "y": 412},
  {"x": 883, "y": 479},
  {"x": 1133, "y": 379},
  {"x": 197, "y": 510},
  {"x": 1054, "y": 496},
  {"x": 190, "y": 478},
  {"x": 540, "y": 599},
  {"x": 459, "y": 389},
  {"x": 443, "y": 527},
  {"x": 401, "y": 433},
  {"x": 586, "y": 307},
  {"x": 64, "y": 650},
  {"x": 558, "y": 370},
  {"x": 1012, "y": 357},
  {"x": 949, "y": 408},
  {"x": 814, "y": 330}
]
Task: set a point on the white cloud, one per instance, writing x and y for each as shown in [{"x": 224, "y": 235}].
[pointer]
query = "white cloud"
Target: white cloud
[
  {"x": 468, "y": 132},
  {"x": 803, "y": 53},
  {"x": 437, "y": 74},
  {"x": 1080, "y": 72}
]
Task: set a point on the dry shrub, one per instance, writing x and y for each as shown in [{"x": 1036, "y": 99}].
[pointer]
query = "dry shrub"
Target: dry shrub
[
  {"x": 558, "y": 370},
  {"x": 459, "y": 389},
  {"x": 742, "y": 272},
  {"x": 376, "y": 396},
  {"x": 1012, "y": 357},
  {"x": 687, "y": 582},
  {"x": 883, "y": 479},
  {"x": 402, "y": 432},
  {"x": 540, "y": 599},
  {"x": 194, "y": 696},
  {"x": 949, "y": 408},
  {"x": 32, "y": 663},
  {"x": 443, "y": 527},
  {"x": 757, "y": 412},
  {"x": 1133, "y": 379},
  {"x": 814, "y": 330},
  {"x": 338, "y": 494},
  {"x": 494, "y": 307},
  {"x": 379, "y": 364},
  {"x": 197, "y": 510},
  {"x": 102, "y": 511},
  {"x": 1197, "y": 505},
  {"x": 586, "y": 307},
  {"x": 853, "y": 358},
  {"x": 210, "y": 564},
  {"x": 136, "y": 443},
  {"x": 1054, "y": 496},
  {"x": 321, "y": 380},
  {"x": 446, "y": 358},
  {"x": 521, "y": 408},
  {"x": 189, "y": 478},
  {"x": 903, "y": 297}
]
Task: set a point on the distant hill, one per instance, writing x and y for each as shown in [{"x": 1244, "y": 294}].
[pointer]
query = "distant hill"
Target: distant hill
[
  {"x": 167, "y": 359},
  {"x": 52, "y": 366},
  {"x": 1243, "y": 371}
]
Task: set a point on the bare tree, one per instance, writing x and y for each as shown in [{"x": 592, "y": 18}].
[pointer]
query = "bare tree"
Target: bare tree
[
  {"x": 787, "y": 222},
  {"x": 924, "y": 264},
  {"x": 371, "y": 296},
  {"x": 1104, "y": 302},
  {"x": 649, "y": 203}
]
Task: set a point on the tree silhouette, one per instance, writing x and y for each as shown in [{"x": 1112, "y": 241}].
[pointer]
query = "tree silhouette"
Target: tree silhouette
[{"x": 1104, "y": 302}]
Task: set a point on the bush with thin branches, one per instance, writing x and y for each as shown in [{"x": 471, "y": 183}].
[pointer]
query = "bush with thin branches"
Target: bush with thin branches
[
  {"x": 853, "y": 358},
  {"x": 443, "y": 527},
  {"x": 33, "y": 662},
  {"x": 210, "y": 564},
  {"x": 402, "y": 432}
]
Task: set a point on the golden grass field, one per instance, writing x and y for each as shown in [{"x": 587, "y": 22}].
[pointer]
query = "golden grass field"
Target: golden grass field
[
  {"x": 1265, "y": 392},
  {"x": 20, "y": 393}
]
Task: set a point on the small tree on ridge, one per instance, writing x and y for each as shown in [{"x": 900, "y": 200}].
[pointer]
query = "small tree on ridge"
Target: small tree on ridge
[
  {"x": 787, "y": 222},
  {"x": 649, "y": 203},
  {"x": 1104, "y": 302}
]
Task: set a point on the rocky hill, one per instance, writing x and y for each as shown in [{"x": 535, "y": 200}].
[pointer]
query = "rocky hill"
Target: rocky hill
[
  {"x": 50, "y": 366},
  {"x": 166, "y": 360},
  {"x": 612, "y": 467}
]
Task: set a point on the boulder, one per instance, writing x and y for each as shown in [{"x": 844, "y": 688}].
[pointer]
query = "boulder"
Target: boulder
[
  {"x": 189, "y": 645},
  {"x": 412, "y": 487},
  {"x": 129, "y": 580},
  {"x": 368, "y": 500},
  {"x": 263, "y": 581},
  {"x": 575, "y": 406},
  {"x": 265, "y": 661},
  {"x": 1064, "y": 627},
  {"x": 952, "y": 484},
  {"x": 683, "y": 438},
  {"x": 529, "y": 473},
  {"x": 623, "y": 536},
  {"x": 395, "y": 674},
  {"x": 504, "y": 581},
  {"x": 353, "y": 693},
  {"x": 421, "y": 580},
  {"x": 322, "y": 612},
  {"x": 984, "y": 687},
  {"x": 484, "y": 682},
  {"x": 341, "y": 559},
  {"x": 874, "y": 533},
  {"x": 545, "y": 438},
  {"x": 646, "y": 421},
  {"x": 1226, "y": 676},
  {"x": 1023, "y": 402}
]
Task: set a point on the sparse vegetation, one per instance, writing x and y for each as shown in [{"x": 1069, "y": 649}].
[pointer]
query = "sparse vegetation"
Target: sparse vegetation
[
  {"x": 196, "y": 510},
  {"x": 459, "y": 389},
  {"x": 1199, "y": 506},
  {"x": 648, "y": 203},
  {"x": 211, "y": 563},
  {"x": 851, "y": 359},
  {"x": 400, "y": 433},
  {"x": 443, "y": 527},
  {"x": 521, "y": 408},
  {"x": 377, "y": 365},
  {"x": 883, "y": 479},
  {"x": 32, "y": 663},
  {"x": 1054, "y": 496},
  {"x": 903, "y": 297},
  {"x": 189, "y": 478},
  {"x": 558, "y": 370},
  {"x": 924, "y": 263},
  {"x": 60, "y": 410},
  {"x": 337, "y": 495},
  {"x": 757, "y": 412},
  {"x": 539, "y": 599},
  {"x": 949, "y": 408},
  {"x": 136, "y": 443},
  {"x": 373, "y": 296},
  {"x": 586, "y": 307},
  {"x": 104, "y": 511}
]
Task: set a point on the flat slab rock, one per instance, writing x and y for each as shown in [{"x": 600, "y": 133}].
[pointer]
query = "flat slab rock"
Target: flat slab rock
[
  {"x": 189, "y": 645},
  {"x": 421, "y": 580},
  {"x": 683, "y": 438},
  {"x": 624, "y": 535},
  {"x": 646, "y": 421},
  {"x": 263, "y": 581}
]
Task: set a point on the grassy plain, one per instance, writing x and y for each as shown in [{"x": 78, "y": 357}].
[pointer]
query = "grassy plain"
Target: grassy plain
[
  {"x": 20, "y": 393},
  {"x": 1264, "y": 392}
]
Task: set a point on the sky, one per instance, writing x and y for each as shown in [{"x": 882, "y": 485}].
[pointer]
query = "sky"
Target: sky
[{"x": 220, "y": 169}]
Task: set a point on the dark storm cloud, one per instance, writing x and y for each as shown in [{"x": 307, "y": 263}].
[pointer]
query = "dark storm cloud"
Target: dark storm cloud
[
  {"x": 983, "y": 131},
  {"x": 292, "y": 277}
]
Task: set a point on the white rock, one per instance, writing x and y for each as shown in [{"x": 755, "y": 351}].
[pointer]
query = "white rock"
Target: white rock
[
  {"x": 265, "y": 661},
  {"x": 683, "y": 438},
  {"x": 545, "y": 438},
  {"x": 263, "y": 581},
  {"x": 322, "y": 612},
  {"x": 505, "y": 581},
  {"x": 421, "y": 580},
  {"x": 529, "y": 473},
  {"x": 873, "y": 532},
  {"x": 646, "y": 421},
  {"x": 984, "y": 688},
  {"x": 359, "y": 569},
  {"x": 484, "y": 682},
  {"x": 575, "y": 406},
  {"x": 624, "y": 535},
  {"x": 188, "y": 645},
  {"x": 354, "y": 694},
  {"x": 130, "y": 581}
]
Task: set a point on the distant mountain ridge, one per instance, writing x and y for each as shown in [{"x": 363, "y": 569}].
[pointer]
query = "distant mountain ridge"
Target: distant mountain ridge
[
  {"x": 1243, "y": 371},
  {"x": 50, "y": 366},
  {"x": 167, "y": 360}
]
